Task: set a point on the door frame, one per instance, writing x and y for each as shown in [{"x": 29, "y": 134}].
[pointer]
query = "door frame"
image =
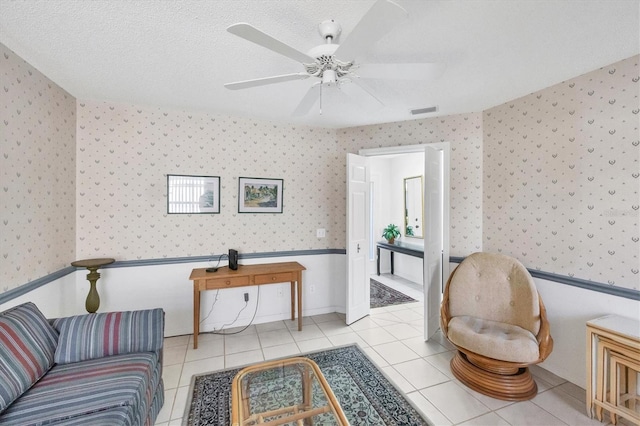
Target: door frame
[{"x": 445, "y": 147}]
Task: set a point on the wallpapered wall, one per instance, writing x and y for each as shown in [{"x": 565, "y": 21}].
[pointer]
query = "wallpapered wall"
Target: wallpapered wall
[
  {"x": 125, "y": 151},
  {"x": 464, "y": 132},
  {"x": 566, "y": 159},
  {"x": 37, "y": 172},
  {"x": 561, "y": 177}
]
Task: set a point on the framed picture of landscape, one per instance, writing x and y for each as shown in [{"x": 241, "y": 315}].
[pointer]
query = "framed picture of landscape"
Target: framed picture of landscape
[{"x": 259, "y": 195}]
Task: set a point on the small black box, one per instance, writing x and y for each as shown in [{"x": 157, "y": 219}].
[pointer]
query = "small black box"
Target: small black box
[{"x": 233, "y": 259}]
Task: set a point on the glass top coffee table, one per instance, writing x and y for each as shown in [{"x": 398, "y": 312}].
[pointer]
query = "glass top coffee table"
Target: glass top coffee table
[{"x": 284, "y": 392}]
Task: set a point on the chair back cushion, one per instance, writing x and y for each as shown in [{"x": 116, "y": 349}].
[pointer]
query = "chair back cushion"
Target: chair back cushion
[
  {"x": 27, "y": 346},
  {"x": 497, "y": 288}
]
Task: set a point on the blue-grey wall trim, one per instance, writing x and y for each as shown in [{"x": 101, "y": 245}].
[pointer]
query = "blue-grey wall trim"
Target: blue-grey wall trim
[
  {"x": 32, "y": 285},
  {"x": 627, "y": 293},
  {"x": 214, "y": 258}
]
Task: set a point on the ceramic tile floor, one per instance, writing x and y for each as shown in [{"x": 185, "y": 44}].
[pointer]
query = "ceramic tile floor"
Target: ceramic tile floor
[{"x": 391, "y": 336}]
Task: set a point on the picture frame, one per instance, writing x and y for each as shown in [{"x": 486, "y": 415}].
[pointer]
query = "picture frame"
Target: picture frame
[
  {"x": 191, "y": 194},
  {"x": 260, "y": 195}
]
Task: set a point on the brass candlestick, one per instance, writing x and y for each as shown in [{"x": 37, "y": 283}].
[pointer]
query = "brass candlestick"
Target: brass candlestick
[{"x": 93, "y": 298}]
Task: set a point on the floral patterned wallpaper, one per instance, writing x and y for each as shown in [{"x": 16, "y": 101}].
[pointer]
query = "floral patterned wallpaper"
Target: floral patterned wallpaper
[
  {"x": 123, "y": 144},
  {"x": 126, "y": 151},
  {"x": 551, "y": 178},
  {"x": 464, "y": 132},
  {"x": 37, "y": 174},
  {"x": 561, "y": 177}
]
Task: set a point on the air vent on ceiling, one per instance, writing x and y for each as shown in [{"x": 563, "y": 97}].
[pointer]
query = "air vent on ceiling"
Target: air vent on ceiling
[{"x": 423, "y": 110}]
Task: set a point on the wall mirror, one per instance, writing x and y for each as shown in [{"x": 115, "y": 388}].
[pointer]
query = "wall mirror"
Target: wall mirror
[
  {"x": 193, "y": 194},
  {"x": 413, "y": 221}
]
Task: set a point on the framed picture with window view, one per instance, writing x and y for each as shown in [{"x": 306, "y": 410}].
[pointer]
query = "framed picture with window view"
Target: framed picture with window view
[
  {"x": 187, "y": 194},
  {"x": 259, "y": 195}
]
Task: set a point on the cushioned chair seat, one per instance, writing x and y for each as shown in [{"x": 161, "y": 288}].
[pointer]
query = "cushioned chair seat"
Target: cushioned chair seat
[
  {"x": 494, "y": 339},
  {"x": 100, "y": 389}
]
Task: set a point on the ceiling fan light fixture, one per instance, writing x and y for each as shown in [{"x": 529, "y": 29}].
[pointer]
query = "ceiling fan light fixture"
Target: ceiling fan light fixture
[{"x": 329, "y": 77}]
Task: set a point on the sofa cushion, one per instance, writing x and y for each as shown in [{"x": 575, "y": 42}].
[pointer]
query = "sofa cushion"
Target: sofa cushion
[
  {"x": 91, "y": 336},
  {"x": 120, "y": 386},
  {"x": 27, "y": 347},
  {"x": 492, "y": 339}
]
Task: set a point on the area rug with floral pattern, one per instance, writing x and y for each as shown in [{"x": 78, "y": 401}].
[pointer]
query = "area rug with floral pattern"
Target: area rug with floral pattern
[
  {"x": 366, "y": 396},
  {"x": 382, "y": 295}
]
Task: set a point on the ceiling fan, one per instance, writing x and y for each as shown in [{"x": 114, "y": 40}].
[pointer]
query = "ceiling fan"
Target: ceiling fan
[{"x": 335, "y": 65}]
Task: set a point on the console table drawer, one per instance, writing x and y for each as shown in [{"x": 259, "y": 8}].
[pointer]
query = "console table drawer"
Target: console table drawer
[
  {"x": 279, "y": 277},
  {"x": 214, "y": 283}
]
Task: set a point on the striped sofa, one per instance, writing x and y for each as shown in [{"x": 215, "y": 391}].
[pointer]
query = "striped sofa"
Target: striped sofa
[{"x": 94, "y": 369}]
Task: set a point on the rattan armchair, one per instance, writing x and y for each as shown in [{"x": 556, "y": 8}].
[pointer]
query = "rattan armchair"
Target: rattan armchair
[{"x": 492, "y": 313}]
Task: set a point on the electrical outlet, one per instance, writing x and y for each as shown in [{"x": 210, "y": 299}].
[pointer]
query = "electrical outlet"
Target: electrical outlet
[
  {"x": 246, "y": 297},
  {"x": 320, "y": 233}
]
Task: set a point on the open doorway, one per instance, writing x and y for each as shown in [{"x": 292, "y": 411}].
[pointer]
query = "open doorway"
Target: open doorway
[
  {"x": 397, "y": 200},
  {"x": 433, "y": 166}
]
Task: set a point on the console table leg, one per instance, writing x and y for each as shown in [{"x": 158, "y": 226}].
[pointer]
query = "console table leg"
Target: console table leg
[
  {"x": 196, "y": 315},
  {"x": 300, "y": 301},
  {"x": 293, "y": 301},
  {"x": 391, "y": 263}
]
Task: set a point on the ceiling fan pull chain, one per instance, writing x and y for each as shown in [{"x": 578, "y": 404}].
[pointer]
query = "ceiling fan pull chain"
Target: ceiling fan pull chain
[{"x": 321, "y": 98}]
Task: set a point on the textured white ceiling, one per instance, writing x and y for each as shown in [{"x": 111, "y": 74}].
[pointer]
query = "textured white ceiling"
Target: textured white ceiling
[{"x": 178, "y": 54}]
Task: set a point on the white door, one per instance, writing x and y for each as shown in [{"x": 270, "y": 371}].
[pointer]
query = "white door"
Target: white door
[
  {"x": 358, "y": 194},
  {"x": 433, "y": 239}
]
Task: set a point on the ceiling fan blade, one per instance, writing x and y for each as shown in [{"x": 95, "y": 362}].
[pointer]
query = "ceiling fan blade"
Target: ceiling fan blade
[
  {"x": 266, "y": 80},
  {"x": 418, "y": 71},
  {"x": 376, "y": 23},
  {"x": 251, "y": 33},
  {"x": 360, "y": 91},
  {"x": 309, "y": 99}
]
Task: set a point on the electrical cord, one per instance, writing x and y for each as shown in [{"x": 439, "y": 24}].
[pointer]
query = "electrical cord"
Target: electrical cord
[
  {"x": 215, "y": 268},
  {"x": 219, "y": 333},
  {"x": 212, "y": 305},
  {"x": 217, "y": 291}
]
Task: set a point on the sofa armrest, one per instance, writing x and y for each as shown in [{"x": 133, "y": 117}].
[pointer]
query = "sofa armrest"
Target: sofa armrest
[{"x": 91, "y": 336}]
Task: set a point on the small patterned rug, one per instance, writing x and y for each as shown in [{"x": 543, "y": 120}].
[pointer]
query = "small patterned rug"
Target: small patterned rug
[
  {"x": 382, "y": 295},
  {"x": 364, "y": 393}
]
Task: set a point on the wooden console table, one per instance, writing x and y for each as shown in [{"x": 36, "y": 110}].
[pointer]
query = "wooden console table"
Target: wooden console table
[
  {"x": 246, "y": 275},
  {"x": 400, "y": 247},
  {"x": 613, "y": 343}
]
